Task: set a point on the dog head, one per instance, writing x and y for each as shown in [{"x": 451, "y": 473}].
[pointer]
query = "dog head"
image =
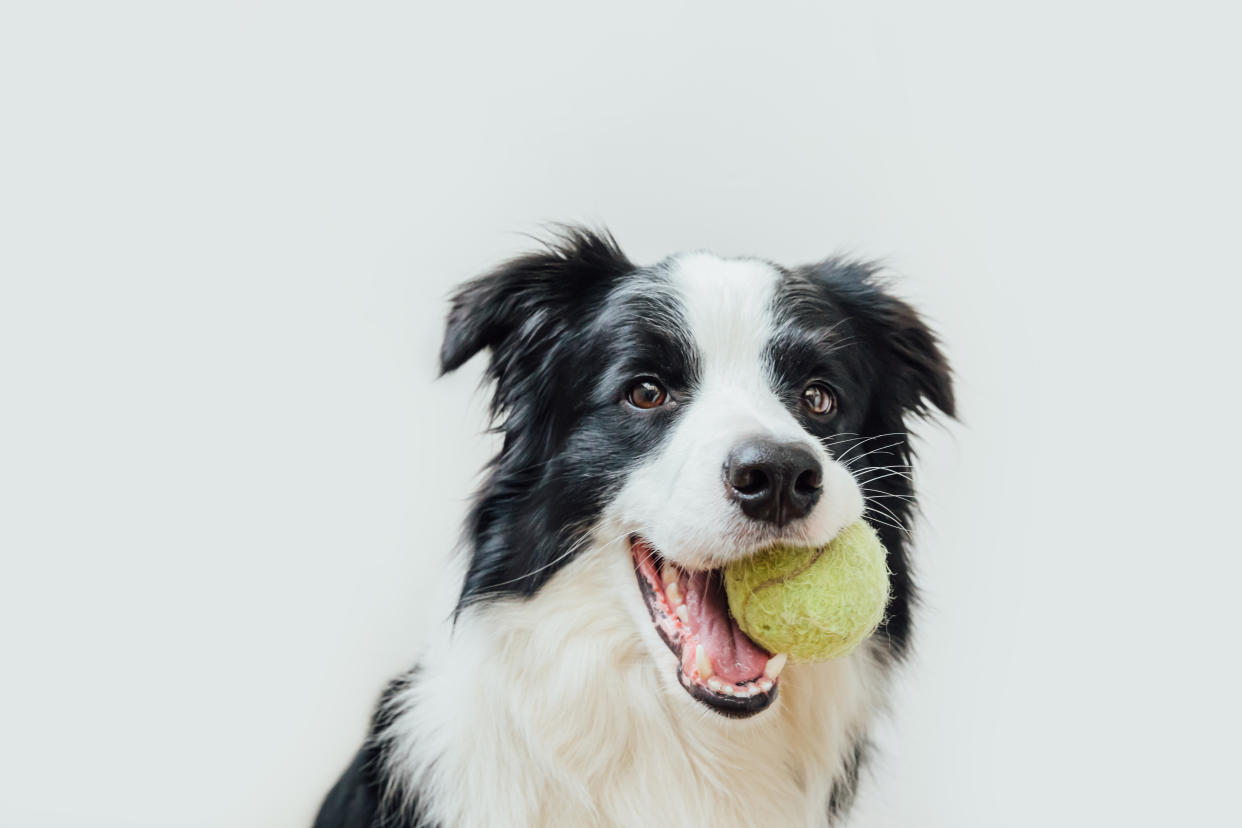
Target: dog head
[{"x": 695, "y": 411}]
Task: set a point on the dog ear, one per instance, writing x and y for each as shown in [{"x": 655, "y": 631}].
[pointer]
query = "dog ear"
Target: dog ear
[
  {"x": 527, "y": 299},
  {"x": 916, "y": 372}
]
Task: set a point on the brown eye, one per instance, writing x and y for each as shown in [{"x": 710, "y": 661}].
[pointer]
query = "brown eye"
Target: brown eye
[
  {"x": 646, "y": 392},
  {"x": 818, "y": 399}
]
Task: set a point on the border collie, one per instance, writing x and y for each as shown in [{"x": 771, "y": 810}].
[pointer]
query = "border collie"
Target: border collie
[{"x": 658, "y": 422}]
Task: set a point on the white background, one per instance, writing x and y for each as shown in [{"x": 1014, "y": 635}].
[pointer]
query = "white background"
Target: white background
[{"x": 228, "y": 475}]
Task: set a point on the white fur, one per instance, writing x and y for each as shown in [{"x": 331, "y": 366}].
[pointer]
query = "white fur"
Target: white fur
[
  {"x": 564, "y": 709},
  {"x": 553, "y": 711}
]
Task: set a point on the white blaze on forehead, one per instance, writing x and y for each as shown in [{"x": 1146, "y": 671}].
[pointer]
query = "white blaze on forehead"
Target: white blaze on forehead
[{"x": 728, "y": 309}]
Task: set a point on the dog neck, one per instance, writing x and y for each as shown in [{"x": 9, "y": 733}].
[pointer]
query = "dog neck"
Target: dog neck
[{"x": 564, "y": 709}]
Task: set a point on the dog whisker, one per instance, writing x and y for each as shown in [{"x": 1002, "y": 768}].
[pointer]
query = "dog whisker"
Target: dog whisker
[
  {"x": 575, "y": 547},
  {"x": 875, "y": 494},
  {"x": 865, "y": 440},
  {"x": 880, "y": 450},
  {"x": 889, "y": 524},
  {"x": 887, "y": 511},
  {"x": 886, "y": 475}
]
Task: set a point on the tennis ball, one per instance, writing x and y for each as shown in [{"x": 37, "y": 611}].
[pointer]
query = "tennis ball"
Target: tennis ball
[{"x": 815, "y": 603}]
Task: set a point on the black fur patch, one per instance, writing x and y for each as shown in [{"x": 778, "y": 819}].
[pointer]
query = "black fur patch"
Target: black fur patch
[
  {"x": 845, "y": 788},
  {"x": 565, "y": 341},
  {"x": 364, "y": 797}
]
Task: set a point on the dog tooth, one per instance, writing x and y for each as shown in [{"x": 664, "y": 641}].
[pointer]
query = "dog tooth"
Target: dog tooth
[
  {"x": 714, "y": 683},
  {"x": 683, "y": 614},
  {"x": 673, "y": 593},
  {"x": 775, "y": 664},
  {"x": 702, "y": 662},
  {"x": 765, "y": 685},
  {"x": 752, "y": 689},
  {"x": 668, "y": 573},
  {"x": 728, "y": 689}
]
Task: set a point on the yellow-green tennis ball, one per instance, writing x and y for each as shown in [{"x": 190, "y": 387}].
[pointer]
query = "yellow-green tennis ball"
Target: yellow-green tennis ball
[{"x": 815, "y": 603}]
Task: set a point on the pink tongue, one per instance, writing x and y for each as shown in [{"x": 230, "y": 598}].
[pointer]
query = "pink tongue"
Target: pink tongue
[{"x": 734, "y": 656}]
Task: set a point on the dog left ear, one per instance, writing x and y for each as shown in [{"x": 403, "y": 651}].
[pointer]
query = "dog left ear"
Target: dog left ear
[{"x": 917, "y": 373}]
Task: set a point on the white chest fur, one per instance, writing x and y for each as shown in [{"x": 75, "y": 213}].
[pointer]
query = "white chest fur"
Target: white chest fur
[{"x": 564, "y": 709}]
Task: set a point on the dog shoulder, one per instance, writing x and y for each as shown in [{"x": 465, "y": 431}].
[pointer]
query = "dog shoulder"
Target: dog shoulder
[{"x": 354, "y": 800}]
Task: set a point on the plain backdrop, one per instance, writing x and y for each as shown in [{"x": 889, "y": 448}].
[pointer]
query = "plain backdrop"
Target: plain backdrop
[{"x": 228, "y": 474}]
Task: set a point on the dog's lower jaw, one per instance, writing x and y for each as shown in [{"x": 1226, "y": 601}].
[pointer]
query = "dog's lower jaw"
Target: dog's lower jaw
[{"x": 559, "y": 710}]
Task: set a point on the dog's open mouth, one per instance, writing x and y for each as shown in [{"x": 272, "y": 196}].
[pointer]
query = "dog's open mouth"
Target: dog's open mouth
[{"x": 718, "y": 664}]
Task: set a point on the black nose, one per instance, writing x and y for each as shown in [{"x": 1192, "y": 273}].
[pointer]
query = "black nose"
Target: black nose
[{"x": 774, "y": 482}]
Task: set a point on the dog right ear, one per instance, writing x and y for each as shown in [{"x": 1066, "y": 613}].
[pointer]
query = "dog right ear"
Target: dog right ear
[
  {"x": 484, "y": 312},
  {"x": 527, "y": 301}
]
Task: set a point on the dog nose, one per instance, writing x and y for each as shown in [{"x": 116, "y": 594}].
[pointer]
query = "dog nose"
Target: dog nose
[{"x": 773, "y": 482}]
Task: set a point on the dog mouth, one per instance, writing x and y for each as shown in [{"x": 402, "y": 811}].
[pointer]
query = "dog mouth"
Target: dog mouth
[{"x": 717, "y": 663}]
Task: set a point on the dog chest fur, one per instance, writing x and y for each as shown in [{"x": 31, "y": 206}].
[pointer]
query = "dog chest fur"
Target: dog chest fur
[{"x": 550, "y": 711}]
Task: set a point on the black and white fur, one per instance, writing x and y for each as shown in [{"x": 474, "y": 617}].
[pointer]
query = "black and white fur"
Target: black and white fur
[{"x": 546, "y": 696}]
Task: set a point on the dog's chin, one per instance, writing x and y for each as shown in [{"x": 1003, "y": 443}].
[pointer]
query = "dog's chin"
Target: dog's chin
[{"x": 717, "y": 663}]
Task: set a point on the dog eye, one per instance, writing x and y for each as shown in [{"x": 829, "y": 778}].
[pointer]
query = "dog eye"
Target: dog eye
[
  {"x": 819, "y": 399},
  {"x": 646, "y": 392}
]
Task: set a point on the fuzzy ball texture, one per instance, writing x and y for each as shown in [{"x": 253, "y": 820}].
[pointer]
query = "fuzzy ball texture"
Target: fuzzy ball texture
[{"x": 815, "y": 603}]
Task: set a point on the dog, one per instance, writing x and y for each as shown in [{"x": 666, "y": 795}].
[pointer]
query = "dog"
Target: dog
[{"x": 658, "y": 422}]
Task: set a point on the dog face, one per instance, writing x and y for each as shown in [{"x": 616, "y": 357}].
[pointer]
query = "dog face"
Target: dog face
[{"x": 696, "y": 411}]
